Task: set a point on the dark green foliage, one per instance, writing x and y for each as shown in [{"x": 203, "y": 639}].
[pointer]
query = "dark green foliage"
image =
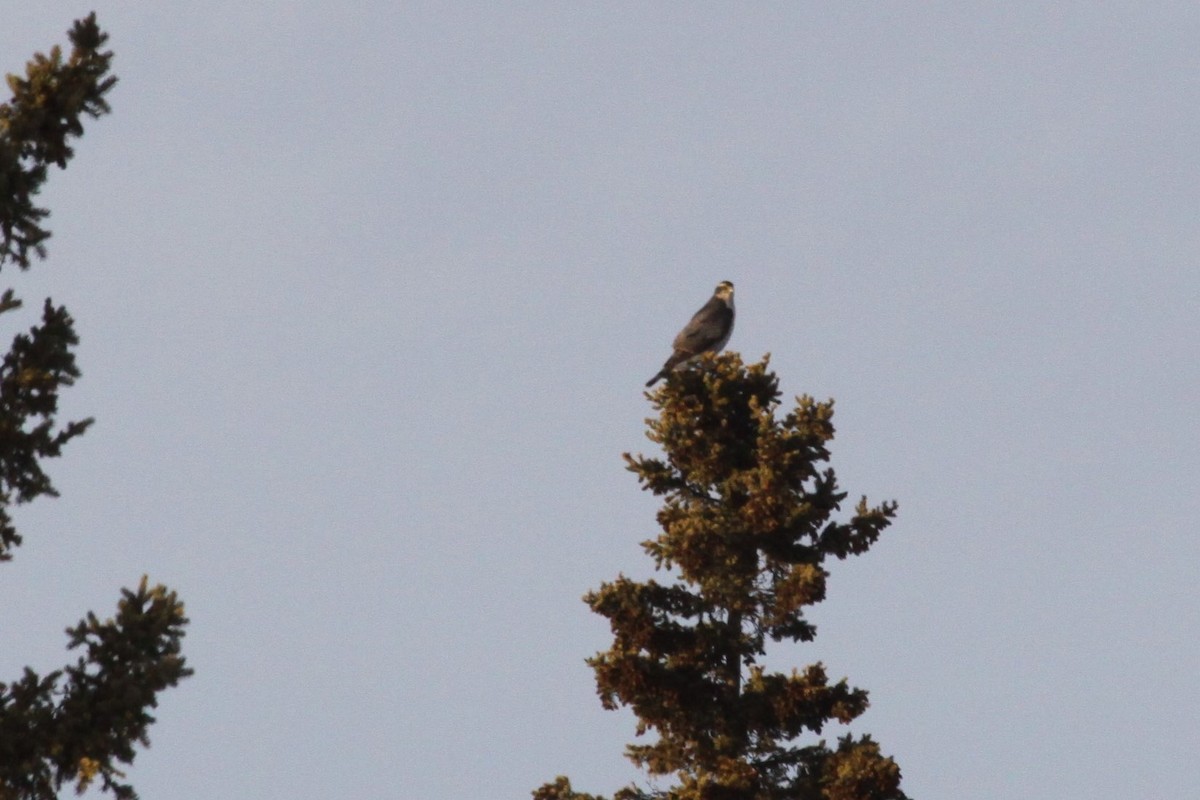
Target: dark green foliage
[
  {"x": 34, "y": 369},
  {"x": 747, "y": 525},
  {"x": 78, "y": 724},
  {"x": 35, "y": 128}
]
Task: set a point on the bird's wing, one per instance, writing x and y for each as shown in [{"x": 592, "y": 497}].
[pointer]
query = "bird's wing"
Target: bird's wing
[{"x": 706, "y": 328}]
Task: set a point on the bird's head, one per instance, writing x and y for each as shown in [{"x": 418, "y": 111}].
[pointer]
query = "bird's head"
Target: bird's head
[{"x": 724, "y": 291}]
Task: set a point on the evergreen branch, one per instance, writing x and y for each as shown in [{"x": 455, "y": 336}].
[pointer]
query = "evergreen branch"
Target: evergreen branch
[
  {"x": 36, "y": 127},
  {"x": 105, "y": 697},
  {"x": 37, "y": 366}
]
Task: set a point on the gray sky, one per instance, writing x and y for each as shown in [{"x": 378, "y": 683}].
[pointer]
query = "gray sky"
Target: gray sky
[{"x": 368, "y": 292}]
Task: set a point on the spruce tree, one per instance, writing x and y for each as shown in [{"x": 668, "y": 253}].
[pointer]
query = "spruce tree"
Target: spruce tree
[
  {"x": 748, "y": 522},
  {"x": 78, "y": 724}
]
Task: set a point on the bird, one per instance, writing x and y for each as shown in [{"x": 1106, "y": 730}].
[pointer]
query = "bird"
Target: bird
[{"x": 707, "y": 332}]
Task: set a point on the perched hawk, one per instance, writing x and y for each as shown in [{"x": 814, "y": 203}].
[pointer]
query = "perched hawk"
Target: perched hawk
[{"x": 707, "y": 332}]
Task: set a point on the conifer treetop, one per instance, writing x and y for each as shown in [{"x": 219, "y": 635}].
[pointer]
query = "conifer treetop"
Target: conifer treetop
[
  {"x": 80, "y": 724},
  {"x": 750, "y": 515},
  {"x": 46, "y": 111}
]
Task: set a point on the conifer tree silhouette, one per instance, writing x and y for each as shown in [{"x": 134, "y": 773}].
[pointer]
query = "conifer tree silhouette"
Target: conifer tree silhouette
[
  {"x": 79, "y": 723},
  {"x": 748, "y": 522}
]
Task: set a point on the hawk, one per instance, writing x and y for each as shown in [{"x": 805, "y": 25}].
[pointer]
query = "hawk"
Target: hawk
[{"x": 707, "y": 332}]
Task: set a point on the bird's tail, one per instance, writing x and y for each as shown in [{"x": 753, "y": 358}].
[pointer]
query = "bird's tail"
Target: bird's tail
[{"x": 677, "y": 358}]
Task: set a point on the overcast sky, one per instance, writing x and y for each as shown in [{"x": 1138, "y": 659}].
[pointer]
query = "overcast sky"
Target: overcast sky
[{"x": 368, "y": 293}]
